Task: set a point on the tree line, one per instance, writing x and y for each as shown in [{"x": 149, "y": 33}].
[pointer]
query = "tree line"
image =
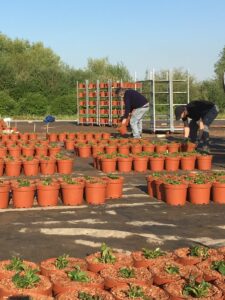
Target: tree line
[{"x": 35, "y": 82}]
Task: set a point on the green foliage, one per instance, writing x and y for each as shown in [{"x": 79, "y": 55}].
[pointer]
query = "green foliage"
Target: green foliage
[
  {"x": 7, "y": 104},
  {"x": 136, "y": 291},
  {"x": 65, "y": 104},
  {"x": 172, "y": 270},
  {"x": 199, "y": 251},
  {"x": 33, "y": 104},
  {"x": 78, "y": 275},
  {"x": 126, "y": 273},
  {"x": 16, "y": 264},
  {"x": 86, "y": 296},
  {"x": 107, "y": 256},
  {"x": 219, "y": 266},
  {"x": 151, "y": 254},
  {"x": 196, "y": 290},
  {"x": 61, "y": 262},
  {"x": 27, "y": 279}
]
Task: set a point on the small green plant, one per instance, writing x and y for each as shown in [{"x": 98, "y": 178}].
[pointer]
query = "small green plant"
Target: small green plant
[
  {"x": 106, "y": 255},
  {"x": 199, "y": 180},
  {"x": 199, "y": 251},
  {"x": 156, "y": 155},
  {"x": 29, "y": 158},
  {"x": 173, "y": 181},
  {"x": 122, "y": 155},
  {"x": 196, "y": 290},
  {"x": 113, "y": 176},
  {"x": 23, "y": 182},
  {"x": 219, "y": 266},
  {"x": 61, "y": 262},
  {"x": 27, "y": 279},
  {"x": 136, "y": 291},
  {"x": 47, "y": 181},
  {"x": 78, "y": 275},
  {"x": 16, "y": 264},
  {"x": 86, "y": 296},
  {"x": 151, "y": 254},
  {"x": 172, "y": 270},
  {"x": 53, "y": 145},
  {"x": 126, "y": 273}
]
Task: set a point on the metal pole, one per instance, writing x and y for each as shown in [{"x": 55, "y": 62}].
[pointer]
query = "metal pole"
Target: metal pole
[
  {"x": 78, "y": 105},
  {"x": 171, "y": 100},
  {"x": 87, "y": 100}
]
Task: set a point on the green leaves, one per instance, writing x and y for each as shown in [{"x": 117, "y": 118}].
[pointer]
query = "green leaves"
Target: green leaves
[
  {"x": 86, "y": 296},
  {"x": 136, "y": 291},
  {"x": 172, "y": 270},
  {"x": 151, "y": 254},
  {"x": 126, "y": 272},
  {"x": 78, "y": 275},
  {"x": 199, "y": 251},
  {"x": 16, "y": 264},
  {"x": 219, "y": 266},
  {"x": 107, "y": 256},
  {"x": 61, "y": 262},
  {"x": 25, "y": 280},
  {"x": 196, "y": 290}
]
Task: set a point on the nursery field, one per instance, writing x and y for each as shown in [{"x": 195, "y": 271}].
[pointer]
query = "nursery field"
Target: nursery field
[{"x": 130, "y": 223}]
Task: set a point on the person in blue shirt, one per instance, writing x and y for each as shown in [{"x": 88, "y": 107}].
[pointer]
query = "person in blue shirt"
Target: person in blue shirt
[{"x": 136, "y": 105}]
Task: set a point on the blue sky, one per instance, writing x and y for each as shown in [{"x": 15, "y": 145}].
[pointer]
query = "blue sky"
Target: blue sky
[{"x": 144, "y": 34}]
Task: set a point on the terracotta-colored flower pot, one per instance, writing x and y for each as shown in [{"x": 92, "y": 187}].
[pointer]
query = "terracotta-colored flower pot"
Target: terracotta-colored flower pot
[
  {"x": 122, "y": 129},
  {"x": 3, "y": 151},
  {"x": 204, "y": 162},
  {"x": 114, "y": 188},
  {"x": 1, "y": 167},
  {"x": 187, "y": 163},
  {"x": 98, "y": 135},
  {"x": 61, "y": 137},
  {"x": 14, "y": 151},
  {"x": 47, "y": 195},
  {"x": 84, "y": 151},
  {"x": 175, "y": 194},
  {"x": 65, "y": 166},
  {"x": 108, "y": 165},
  {"x": 151, "y": 186},
  {"x": 172, "y": 163},
  {"x": 173, "y": 147},
  {"x": 156, "y": 163},
  {"x": 106, "y": 135},
  {"x": 124, "y": 149},
  {"x": 140, "y": 163},
  {"x": 4, "y": 194},
  {"x": 42, "y": 150},
  {"x": 160, "y": 148},
  {"x": 23, "y": 197},
  {"x": 188, "y": 147},
  {"x": 218, "y": 192},
  {"x": 199, "y": 193},
  {"x": 135, "y": 149},
  {"x": 95, "y": 192},
  {"x": 28, "y": 150},
  {"x": 54, "y": 150},
  {"x": 160, "y": 190},
  {"x": 48, "y": 166},
  {"x": 69, "y": 144},
  {"x": 53, "y": 137},
  {"x": 148, "y": 147},
  {"x": 95, "y": 293},
  {"x": 14, "y": 136},
  {"x": 72, "y": 194},
  {"x": 31, "y": 167},
  {"x": 13, "y": 167},
  {"x": 97, "y": 148},
  {"x": 125, "y": 164},
  {"x": 32, "y": 136},
  {"x": 111, "y": 149}
]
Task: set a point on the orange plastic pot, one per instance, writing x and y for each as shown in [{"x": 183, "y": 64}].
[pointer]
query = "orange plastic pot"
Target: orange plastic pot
[
  {"x": 62, "y": 136},
  {"x": 41, "y": 150},
  {"x": 4, "y": 195},
  {"x": 187, "y": 163},
  {"x": 32, "y": 136},
  {"x": 23, "y": 197},
  {"x": 135, "y": 149},
  {"x": 95, "y": 192},
  {"x": 204, "y": 162},
  {"x": 52, "y": 137},
  {"x": 14, "y": 151},
  {"x": 47, "y": 195},
  {"x": 48, "y": 167},
  {"x": 199, "y": 193},
  {"x": 13, "y": 168},
  {"x": 69, "y": 145},
  {"x": 125, "y": 164},
  {"x": 28, "y": 151},
  {"x": 31, "y": 168},
  {"x": 3, "y": 152},
  {"x": 151, "y": 185},
  {"x": 160, "y": 190},
  {"x": 114, "y": 188},
  {"x": 65, "y": 166},
  {"x": 188, "y": 147},
  {"x": 172, "y": 163},
  {"x": 149, "y": 148},
  {"x": 84, "y": 151},
  {"x": 160, "y": 148},
  {"x": 175, "y": 194},
  {"x": 72, "y": 194},
  {"x": 124, "y": 149},
  {"x": 218, "y": 192},
  {"x": 1, "y": 167},
  {"x": 111, "y": 149},
  {"x": 106, "y": 135},
  {"x": 122, "y": 129},
  {"x": 108, "y": 165},
  {"x": 97, "y": 148},
  {"x": 156, "y": 163},
  {"x": 54, "y": 150},
  {"x": 140, "y": 163},
  {"x": 173, "y": 147}
]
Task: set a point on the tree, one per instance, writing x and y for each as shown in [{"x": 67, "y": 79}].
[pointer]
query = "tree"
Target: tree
[
  {"x": 7, "y": 105},
  {"x": 32, "y": 104},
  {"x": 64, "y": 105}
]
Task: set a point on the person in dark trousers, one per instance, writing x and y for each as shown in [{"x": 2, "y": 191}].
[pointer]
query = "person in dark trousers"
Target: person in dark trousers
[
  {"x": 136, "y": 105},
  {"x": 202, "y": 113}
]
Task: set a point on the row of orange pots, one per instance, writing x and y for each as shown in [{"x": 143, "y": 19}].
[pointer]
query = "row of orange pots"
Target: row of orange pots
[
  {"x": 195, "y": 188},
  {"x": 29, "y": 150},
  {"x": 73, "y": 191}
]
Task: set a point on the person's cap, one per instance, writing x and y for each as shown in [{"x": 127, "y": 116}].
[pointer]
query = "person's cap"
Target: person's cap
[{"x": 178, "y": 111}]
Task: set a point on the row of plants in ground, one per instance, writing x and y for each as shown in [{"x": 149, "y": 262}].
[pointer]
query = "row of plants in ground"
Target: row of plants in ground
[
  {"x": 197, "y": 188},
  {"x": 71, "y": 190},
  {"x": 29, "y": 149},
  {"x": 143, "y": 161},
  {"x": 32, "y": 166},
  {"x": 190, "y": 273}
]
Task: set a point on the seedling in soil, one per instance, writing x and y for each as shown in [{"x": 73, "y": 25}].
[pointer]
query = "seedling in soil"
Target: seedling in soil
[
  {"x": 196, "y": 290},
  {"x": 78, "y": 275},
  {"x": 151, "y": 254},
  {"x": 113, "y": 176},
  {"x": 172, "y": 270},
  {"x": 28, "y": 279},
  {"x": 16, "y": 264},
  {"x": 219, "y": 266},
  {"x": 107, "y": 256},
  {"x": 86, "y": 296},
  {"x": 199, "y": 251},
  {"x": 47, "y": 181},
  {"x": 62, "y": 261},
  {"x": 126, "y": 273},
  {"x": 136, "y": 291},
  {"x": 23, "y": 182}
]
